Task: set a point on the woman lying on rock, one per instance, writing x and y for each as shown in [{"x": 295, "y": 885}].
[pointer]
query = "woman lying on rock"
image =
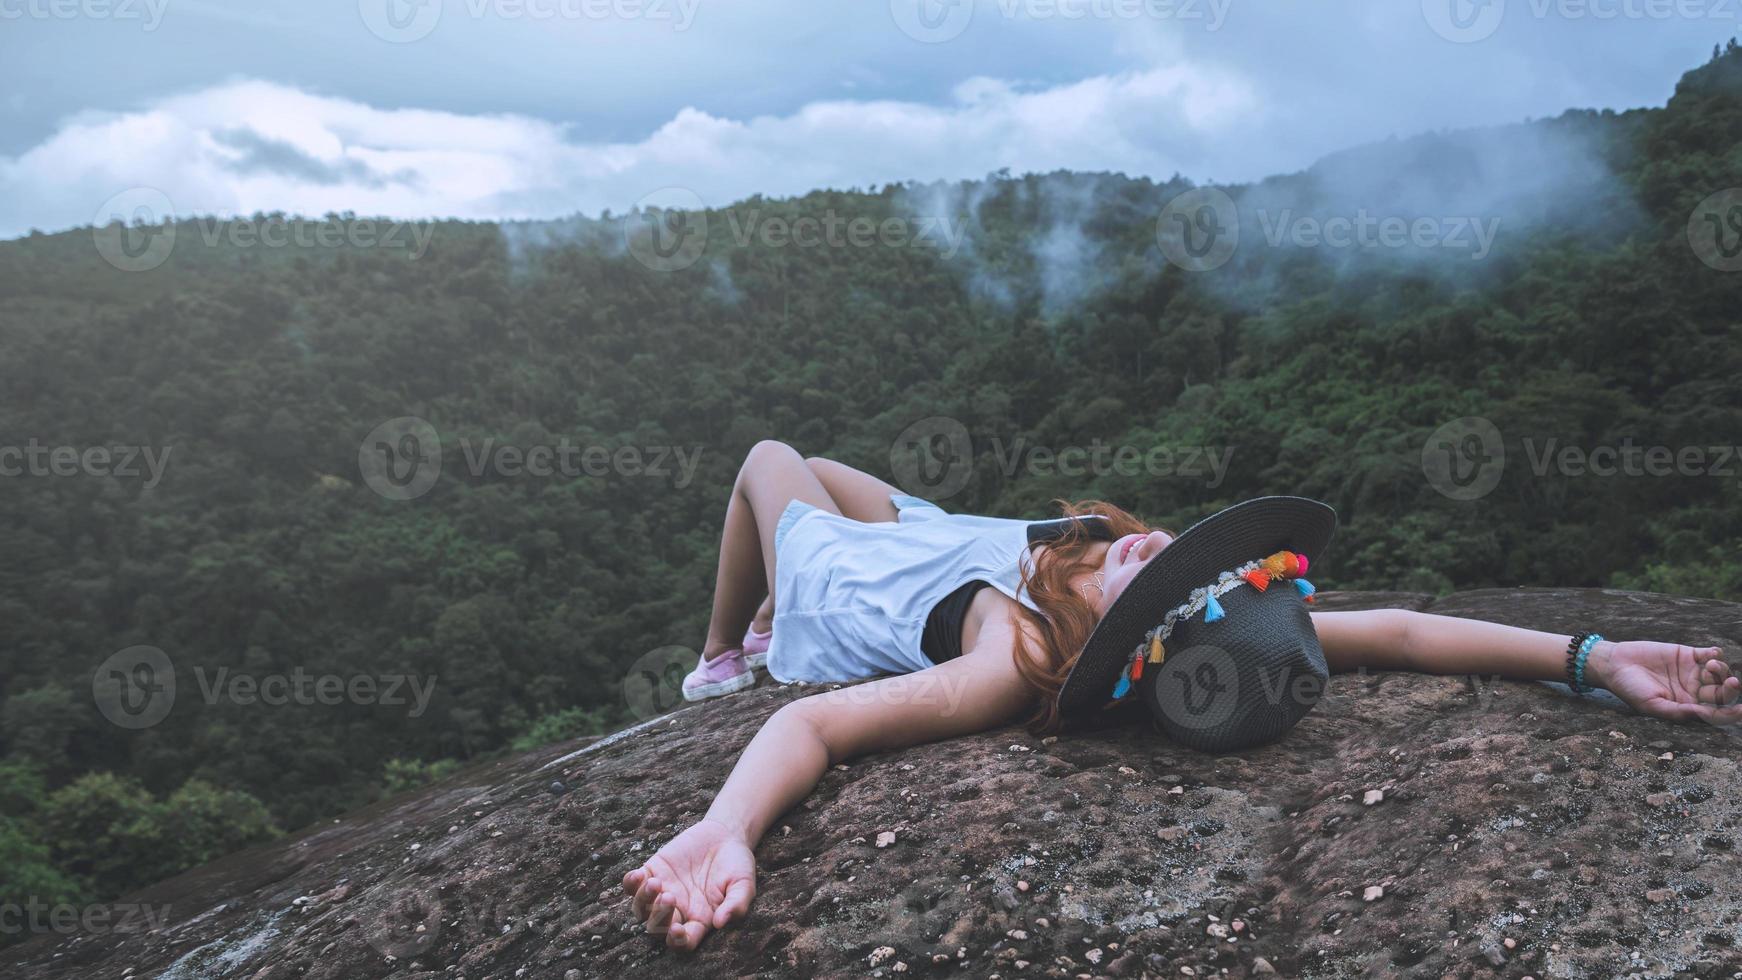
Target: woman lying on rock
[{"x": 986, "y": 621}]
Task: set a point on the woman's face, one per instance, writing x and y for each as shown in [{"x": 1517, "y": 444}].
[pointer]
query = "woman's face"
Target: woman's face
[{"x": 1120, "y": 561}]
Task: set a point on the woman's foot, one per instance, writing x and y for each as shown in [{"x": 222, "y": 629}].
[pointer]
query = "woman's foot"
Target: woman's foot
[
  {"x": 724, "y": 674},
  {"x": 756, "y": 646}
]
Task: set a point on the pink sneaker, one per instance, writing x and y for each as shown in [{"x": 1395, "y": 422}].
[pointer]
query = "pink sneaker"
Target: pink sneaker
[
  {"x": 722, "y": 675},
  {"x": 756, "y": 647}
]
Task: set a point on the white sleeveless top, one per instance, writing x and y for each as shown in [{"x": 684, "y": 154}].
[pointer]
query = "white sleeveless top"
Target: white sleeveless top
[{"x": 851, "y": 598}]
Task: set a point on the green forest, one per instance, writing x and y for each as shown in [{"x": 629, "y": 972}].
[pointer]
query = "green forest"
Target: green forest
[{"x": 252, "y": 537}]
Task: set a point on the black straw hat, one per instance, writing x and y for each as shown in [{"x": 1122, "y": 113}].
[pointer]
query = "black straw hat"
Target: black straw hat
[{"x": 1215, "y": 642}]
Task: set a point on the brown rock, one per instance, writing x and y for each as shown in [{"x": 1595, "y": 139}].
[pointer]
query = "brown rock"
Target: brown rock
[{"x": 1268, "y": 844}]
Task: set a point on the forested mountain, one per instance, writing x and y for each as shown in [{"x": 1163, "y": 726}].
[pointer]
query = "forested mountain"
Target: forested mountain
[{"x": 1578, "y": 307}]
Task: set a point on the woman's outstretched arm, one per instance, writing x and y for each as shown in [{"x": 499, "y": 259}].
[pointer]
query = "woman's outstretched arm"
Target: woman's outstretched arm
[
  {"x": 706, "y": 876},
  {"x": 1664, "y": 679}
]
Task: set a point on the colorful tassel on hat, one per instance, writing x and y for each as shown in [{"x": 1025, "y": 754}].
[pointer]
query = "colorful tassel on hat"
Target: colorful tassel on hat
[
  {"x": 1303, "y": 564},
  {"x": 1137, "y": 667},
  {"x": 1259, "y": 578},
  {"x": 1124, "y": 686},
  {"x": 1305, "y": 589},
  {"x": 1212, "y": 610},
  {"x": 1278, "y": 564},
  {"x": 1157, "y": 652}
]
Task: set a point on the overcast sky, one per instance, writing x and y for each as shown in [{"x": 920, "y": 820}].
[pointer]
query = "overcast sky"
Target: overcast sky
[{"x": 542, "y": 108}]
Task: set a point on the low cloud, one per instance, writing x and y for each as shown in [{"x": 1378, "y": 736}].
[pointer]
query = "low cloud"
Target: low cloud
[{"x": 247, "y": 146}]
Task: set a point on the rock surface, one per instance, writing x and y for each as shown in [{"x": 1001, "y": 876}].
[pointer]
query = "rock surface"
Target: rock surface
[{"x": 1514, "y": 838}]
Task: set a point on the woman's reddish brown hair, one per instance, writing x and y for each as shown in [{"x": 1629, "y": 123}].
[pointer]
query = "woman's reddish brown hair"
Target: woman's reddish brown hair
[{"x": 1048, "y": 648}]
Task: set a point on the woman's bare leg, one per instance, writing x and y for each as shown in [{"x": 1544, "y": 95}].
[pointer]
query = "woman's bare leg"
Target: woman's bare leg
[
  {"x": 773, "y": 475},
  {"x": 763, "y": 621},
  {"x": 856, "y": 494},
  {"x": 860, "y": 495}
]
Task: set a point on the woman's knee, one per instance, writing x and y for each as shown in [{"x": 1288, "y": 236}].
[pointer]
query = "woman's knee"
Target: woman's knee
[{"x": 770, "y": 451}]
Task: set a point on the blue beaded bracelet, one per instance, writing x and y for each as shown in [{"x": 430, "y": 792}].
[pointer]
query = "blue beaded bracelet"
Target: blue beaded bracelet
[{"x": 1576, "y": 663}]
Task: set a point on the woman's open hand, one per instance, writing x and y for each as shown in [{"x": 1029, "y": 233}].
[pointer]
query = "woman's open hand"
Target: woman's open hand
[
  {"x": 700, "y": 881},
  {"x": 1681, "y": 683}
]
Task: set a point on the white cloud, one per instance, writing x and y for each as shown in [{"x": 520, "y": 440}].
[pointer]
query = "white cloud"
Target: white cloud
[{"x": 247, "y": 146}]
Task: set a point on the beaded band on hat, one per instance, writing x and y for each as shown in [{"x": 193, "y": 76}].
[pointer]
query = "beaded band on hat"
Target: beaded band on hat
[{"x": 1258, "y": 574}]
